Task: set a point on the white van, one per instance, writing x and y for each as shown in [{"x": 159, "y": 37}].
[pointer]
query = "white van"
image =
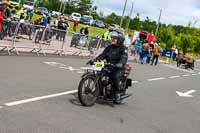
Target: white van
[{"x": 75, "y": 16}]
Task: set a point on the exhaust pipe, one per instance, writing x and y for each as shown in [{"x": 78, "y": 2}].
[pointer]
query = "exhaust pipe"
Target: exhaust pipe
[{"x": 125, "y": 96}]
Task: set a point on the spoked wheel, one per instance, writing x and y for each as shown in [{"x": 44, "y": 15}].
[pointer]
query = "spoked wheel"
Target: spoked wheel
[
  {"x": 178, "y": 63},
  {"x": 38, "y": 37},
  {"x": 192, "y": 66},
  {"x": 88, "y": 91}
]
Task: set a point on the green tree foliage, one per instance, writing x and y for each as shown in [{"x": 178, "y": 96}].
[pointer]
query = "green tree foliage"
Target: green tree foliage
[
  {"x": 166, "y": 36},
  {"x": 186, "y": 43}
]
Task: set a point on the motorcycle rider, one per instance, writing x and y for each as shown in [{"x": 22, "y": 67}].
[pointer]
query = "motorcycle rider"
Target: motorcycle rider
[{"x": 116, "y": 54}]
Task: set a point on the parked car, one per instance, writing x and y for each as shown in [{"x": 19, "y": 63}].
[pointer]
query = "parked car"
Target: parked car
[
  {"x": 114, "y": 27},
  {"x": 67, "y": 15},
  {"x": 99, "y": 23},
  {"x": 29, "y": 5},
  {"x": 55, "y": 14},
  {"x": 75, "y": 16},
  {"x": 87, "y": 20},
  {"x": 42, "y": 10}
]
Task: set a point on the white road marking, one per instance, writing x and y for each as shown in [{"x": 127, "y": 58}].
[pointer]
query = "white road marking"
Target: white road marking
[
  {"x": 135, "y": 82},
  {"x": 186, "y": 94},
  {"x": 80, "y": 72},
  {"x": 64, "y": 68},
  {"x": 186, "y": 75},
  {"x": 1, "y": 107},
  {"x": 70, "y": 68},
  {"x": 39, "y": 98},
  {"x": 173, "y": 77},
  {"x": 176, "y": 68},
  {"x": 54, "y": 64},
  {"x": 194, "y": 74},
  {"x": 155, "y": 79},
  {"x": 196, "y": 69}
]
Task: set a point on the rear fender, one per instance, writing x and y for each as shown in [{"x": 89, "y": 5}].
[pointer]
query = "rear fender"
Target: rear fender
[{"x": 128, "y": 83}]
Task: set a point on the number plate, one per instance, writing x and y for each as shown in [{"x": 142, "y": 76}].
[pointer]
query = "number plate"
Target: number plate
[{"x": 99, "y": 65}]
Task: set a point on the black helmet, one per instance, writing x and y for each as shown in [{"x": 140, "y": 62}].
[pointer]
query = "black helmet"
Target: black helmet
[{"x": 119, "y": 36}]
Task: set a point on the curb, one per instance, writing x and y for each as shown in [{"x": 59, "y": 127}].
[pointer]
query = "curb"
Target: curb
[{"x": 66, "y": 55}]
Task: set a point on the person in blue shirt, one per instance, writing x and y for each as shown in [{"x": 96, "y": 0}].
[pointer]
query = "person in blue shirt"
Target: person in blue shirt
[{"x": 44, "y": 20}]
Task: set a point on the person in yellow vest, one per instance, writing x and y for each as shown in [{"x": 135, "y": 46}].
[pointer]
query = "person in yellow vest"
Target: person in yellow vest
[{"x": 107, "y": 38}]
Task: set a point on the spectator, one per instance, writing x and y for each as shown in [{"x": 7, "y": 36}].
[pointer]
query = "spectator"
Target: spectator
[
  {"x": 75, "y": 25},
  {"x": 6, "y": 16},
  {"x": 134, "y": 46},
  {"x": 23, "y": 15},
  {"x": 149, "y": 55},
  {"x": 63, "y": 25},
  {"x": 44, "y": 20},
  {"x": 84, "y": 30},
  {"x": 6, "y": 11},
  {"x": 156, "y": 54},
  {"x": 13, "y": 11},
  {"x": 175, "y": 54},
  {"x": 127, "y": 42},
  {"x": 145, "y": 48},
  {"x": 30, "y": 15},
  {"x": 139, "y": 50},
  {"x": 1, "y": 25},
  {"x": 107, "y": 38},
  {"x": 49, "y": 20}
]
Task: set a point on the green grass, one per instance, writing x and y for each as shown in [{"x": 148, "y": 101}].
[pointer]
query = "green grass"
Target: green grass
[{"x": 93, "y": 31}]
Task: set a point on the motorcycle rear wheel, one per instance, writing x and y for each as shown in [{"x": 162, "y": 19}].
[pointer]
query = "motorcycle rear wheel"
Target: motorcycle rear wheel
[{"x": 88, "y": 91}]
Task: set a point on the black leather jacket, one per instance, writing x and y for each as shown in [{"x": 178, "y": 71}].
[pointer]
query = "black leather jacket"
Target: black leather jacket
[{"x": 115, "y": 54}]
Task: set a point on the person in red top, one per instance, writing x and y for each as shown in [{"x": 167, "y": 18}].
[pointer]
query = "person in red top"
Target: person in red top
[
  {"x": 75, "y": 25},
  {"x": 1, "y": 21},
  {"x": 1, "y": 17}
]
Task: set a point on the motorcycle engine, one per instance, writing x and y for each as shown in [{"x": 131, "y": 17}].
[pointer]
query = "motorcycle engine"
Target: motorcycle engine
[{"x": 127, "y": 69}]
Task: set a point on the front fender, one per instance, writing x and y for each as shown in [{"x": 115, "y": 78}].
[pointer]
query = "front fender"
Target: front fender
[{"x": 87, "y": 74}]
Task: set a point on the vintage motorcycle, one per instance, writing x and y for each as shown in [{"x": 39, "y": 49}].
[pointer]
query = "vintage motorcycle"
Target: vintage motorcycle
[
  {"x": 186, "y": 62},
  {"x": 96, "y": 84}
]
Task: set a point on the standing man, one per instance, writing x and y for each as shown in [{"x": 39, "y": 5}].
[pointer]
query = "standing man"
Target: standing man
[
  {"x": 156, "y": 54},
  {"x": 6, "y": 16},
  {"x": 84, "y": 30},
  {"x": 75, "y": 25},
  {"x": 145, "y": 48},
  {"x": 1, "y": 20},
  {"x": 107, "y": 38}
]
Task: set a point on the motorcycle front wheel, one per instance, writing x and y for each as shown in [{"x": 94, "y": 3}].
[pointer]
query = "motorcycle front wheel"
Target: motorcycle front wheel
[{"x": 88, "y": 91}]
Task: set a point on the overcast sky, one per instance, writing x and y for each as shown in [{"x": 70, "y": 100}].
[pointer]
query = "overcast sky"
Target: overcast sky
[{"x": 178, "y": 12}]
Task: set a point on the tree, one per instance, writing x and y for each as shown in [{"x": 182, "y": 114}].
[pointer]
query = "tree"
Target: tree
[
  {"x": 85, "y": 7},
  {"x": 136, "y": 24},
  {"x": 186, "y": 42},
  {"x": 197, "y": 46},
  {"x": 148, "y": 25},
  {"x": 166, "y": 36},
  {"x": 112, "y": 19}
]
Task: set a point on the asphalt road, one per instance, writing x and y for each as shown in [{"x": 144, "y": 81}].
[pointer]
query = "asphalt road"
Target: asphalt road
[{"x": 29, "y": 104}]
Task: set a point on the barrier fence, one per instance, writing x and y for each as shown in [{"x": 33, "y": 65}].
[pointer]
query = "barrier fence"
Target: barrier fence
[{"x": 20, "y": 36}]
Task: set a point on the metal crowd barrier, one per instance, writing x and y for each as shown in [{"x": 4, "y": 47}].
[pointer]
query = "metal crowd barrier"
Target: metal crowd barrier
[{"x": 40, "y": 39}]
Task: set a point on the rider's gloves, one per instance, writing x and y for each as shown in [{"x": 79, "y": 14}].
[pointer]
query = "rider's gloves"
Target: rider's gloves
[{"x": 91, "y": 62}]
